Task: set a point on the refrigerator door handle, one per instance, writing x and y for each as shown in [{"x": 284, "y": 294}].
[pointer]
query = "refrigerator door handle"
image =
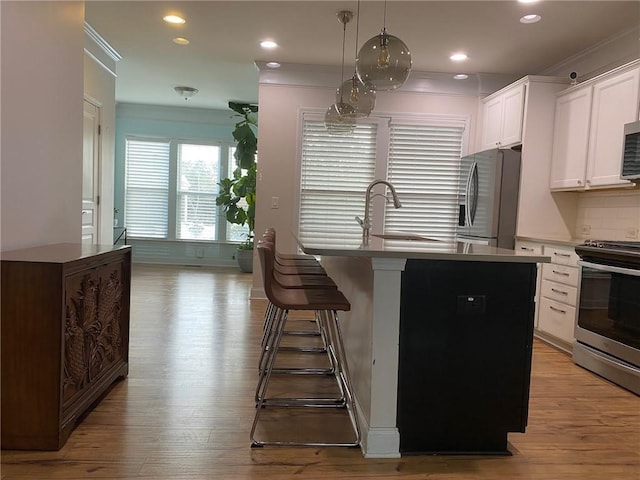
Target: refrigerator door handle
[
  {"x": 466, "y": 196},
  {"x": 473, "y": 202}
]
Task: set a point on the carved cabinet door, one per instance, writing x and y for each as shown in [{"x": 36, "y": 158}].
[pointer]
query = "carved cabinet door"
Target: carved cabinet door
[{"x": 94, "y": 326}]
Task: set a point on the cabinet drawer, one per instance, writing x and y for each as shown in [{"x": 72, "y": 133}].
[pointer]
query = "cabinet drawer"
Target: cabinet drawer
[
  {"x": 560, "y": 292},
  {"x": 557, "y": 319},
  {"x": 562, "y": 256},
  {"x": 560, "y": 274},
  {"x": 530, "y": 247}
]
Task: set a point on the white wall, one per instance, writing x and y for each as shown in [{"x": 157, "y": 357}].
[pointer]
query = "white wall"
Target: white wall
[
  {"x": 601, "y": 57},
  {"x": 41, "y": 152}
]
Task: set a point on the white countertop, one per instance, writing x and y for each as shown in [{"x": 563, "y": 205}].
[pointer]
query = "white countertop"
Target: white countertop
[
  {"x": 424, "y": 248},
  {"x": 570, "y": 242}
]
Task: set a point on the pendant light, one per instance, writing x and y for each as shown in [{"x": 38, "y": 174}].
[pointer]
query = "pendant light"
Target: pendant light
[
  {"x": 384, "y": 61},
  {"x": 353, "y": 91},
  {"x": 339, "y": 118}
]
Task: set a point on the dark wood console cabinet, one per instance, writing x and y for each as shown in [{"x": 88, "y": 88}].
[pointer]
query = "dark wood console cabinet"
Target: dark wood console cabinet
[{"x": 65, "y": 337}]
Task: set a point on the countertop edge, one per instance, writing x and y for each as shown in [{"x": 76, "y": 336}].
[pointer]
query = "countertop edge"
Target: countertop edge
[{"x": 515, "y": 257}]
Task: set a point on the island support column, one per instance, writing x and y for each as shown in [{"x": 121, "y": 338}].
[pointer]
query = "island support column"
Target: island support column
[{"x": 371, "y": 336}]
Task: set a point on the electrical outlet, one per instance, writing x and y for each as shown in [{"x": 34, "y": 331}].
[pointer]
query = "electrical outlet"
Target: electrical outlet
[
  {"x": 275, "y": 202},
  {"x": 586, "y": 230},
  {"x": 631, "y": 232}
]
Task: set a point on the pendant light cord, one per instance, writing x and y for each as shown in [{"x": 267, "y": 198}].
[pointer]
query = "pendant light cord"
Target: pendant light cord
[
  {"x": 344, "y": 38},
  {"x": 357, "y": 29},
  {"x": 384, "y": 18}
]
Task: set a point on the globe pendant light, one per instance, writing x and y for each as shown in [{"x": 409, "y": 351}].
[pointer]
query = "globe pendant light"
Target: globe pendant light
[
  {"x": 353, "y": 92},
  {"x": 384, "y": 61},
  {"x": 339, "y": 118}
]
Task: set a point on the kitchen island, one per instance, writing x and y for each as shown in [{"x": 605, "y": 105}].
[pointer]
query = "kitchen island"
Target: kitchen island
[{"x": 438, "y": 340}]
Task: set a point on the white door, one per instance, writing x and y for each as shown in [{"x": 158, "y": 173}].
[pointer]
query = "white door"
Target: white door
[{"x": 90, "y": 173}]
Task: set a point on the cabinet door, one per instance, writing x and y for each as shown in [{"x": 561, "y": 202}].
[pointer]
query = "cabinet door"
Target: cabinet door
[
  {"x": 95, "y": 337},
  {"x": 492, "y": 123},
  {"x": 615, "y": 102},
  {"x": 512, "y": 115},
  {"x": 571, "y": 140}
]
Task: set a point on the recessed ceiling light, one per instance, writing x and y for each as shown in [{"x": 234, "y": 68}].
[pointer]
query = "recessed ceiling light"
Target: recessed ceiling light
[
  {"x": 461, "y": 76},
  {"x": 273, "y": 65},
  {"x": 268, "y": 44},
  {"x": 527, "y": 1},
  {"x": 533, "y": 18},
  {"x": 173, "y": 19},
  {"x": 181, "y": 41},
  {"x": 458, "y": 57}
]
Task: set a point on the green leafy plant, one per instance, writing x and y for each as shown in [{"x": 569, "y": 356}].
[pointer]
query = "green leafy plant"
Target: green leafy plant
[{"x": 242, "y": 185}]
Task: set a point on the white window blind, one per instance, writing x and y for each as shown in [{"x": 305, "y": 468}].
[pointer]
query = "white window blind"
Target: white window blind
[
  {"x": 147, "y": 188},
  {"x": 335, "y": 172},
  {"x": 423, "y": 165},
  {"x": 198, "y": 175}
]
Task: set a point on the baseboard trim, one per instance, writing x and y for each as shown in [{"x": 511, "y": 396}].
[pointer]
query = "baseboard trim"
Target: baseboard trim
[{"x": 377, "y": 442}]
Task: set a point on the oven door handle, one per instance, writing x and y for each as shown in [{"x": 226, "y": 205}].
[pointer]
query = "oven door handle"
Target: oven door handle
[{"x": 610, "y": 268}]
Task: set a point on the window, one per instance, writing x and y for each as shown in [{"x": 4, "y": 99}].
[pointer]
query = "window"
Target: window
[
  {"x": 170, "y": 190},
  {"x": 235, "y": 232},
  {"x": 423, "y": 166},
  {"x": 419, "y": 156},
  {"x": 147, "y": 188},
  {"x": 335, "y": 172},
  {"x": 197, "y": 189}
]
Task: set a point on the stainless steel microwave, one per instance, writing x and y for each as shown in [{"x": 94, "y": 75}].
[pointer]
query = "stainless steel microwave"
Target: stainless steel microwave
[{"x": 631, "y": 152}]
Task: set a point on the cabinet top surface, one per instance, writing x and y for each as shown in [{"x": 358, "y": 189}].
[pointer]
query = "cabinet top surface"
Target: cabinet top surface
[
  {"x": 59, "y": 253},
  {"x": 424, "y": 248}
]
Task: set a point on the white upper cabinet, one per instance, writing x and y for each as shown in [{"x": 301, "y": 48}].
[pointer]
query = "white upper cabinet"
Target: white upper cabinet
[
  {"x": 502, "y": 117},
  {"x": 588, "y": 130},
  {"x": 571, "y": 140}
]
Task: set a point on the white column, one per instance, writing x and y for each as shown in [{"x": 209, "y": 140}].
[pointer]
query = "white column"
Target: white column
[{"x": 383, "y": 438}]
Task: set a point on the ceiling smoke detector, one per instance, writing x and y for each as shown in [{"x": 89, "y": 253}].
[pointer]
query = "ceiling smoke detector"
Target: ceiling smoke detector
[{"x": 186, "y": 92}]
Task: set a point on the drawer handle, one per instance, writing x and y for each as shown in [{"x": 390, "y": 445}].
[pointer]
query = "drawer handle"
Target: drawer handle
[
  {"x": 559, "y": 291},
  {"x": 526, "y": 249},
  {"x": 560, "y": 273},
  {"x": 562, "y": 254},
  {"x": 559, "y": 310}
]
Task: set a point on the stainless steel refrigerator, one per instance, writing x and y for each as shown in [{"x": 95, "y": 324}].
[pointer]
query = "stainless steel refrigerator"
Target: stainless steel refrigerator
[{"x": 488, "y": 197}]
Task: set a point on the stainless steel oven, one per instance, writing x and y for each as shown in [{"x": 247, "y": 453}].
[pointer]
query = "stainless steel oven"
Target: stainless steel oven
[{"x": 608, "y": 316}]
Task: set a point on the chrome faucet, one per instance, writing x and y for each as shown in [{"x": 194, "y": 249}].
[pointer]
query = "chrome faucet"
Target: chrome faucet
[{"x": 366, "y": 223}]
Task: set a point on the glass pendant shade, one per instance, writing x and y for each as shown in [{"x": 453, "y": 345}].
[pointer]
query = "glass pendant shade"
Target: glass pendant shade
[
  {"x": 339, "y": 119},
  {"x": 354, "y": 93},
  {"x": 384, "y": 62}
]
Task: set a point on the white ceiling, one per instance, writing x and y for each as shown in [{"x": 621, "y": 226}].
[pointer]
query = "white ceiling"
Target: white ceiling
[{"x": 224, "y": 38}]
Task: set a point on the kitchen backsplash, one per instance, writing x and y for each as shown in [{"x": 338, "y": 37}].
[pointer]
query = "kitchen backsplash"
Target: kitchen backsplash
[{"x": 609, "y": 215}]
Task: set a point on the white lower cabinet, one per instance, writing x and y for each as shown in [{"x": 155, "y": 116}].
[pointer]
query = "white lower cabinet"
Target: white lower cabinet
[
  {"x": 557, "y": 320},
  {"x": 535, "y": 248},
  {"x": 558, "y": 296}
]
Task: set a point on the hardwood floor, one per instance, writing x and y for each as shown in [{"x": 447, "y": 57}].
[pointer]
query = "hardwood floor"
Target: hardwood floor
[{"x": 185, "y": 410}]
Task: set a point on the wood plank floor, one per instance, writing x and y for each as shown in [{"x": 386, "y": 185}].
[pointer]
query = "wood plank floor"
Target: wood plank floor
[{"x": 185, "y": 411}]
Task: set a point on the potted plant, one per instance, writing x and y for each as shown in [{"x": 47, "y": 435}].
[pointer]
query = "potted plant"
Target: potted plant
[{"x": 237, "y": 195}]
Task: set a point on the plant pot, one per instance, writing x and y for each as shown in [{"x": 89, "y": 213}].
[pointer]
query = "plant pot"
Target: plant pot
[{"x": 245, "y": 260}]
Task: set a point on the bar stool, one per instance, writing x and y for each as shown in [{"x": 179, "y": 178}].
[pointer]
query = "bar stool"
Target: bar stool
[
  {"x": 326, "y": 303},
  {"x": 295, "y": 281},
  {"x": 289, "y": 267}
]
